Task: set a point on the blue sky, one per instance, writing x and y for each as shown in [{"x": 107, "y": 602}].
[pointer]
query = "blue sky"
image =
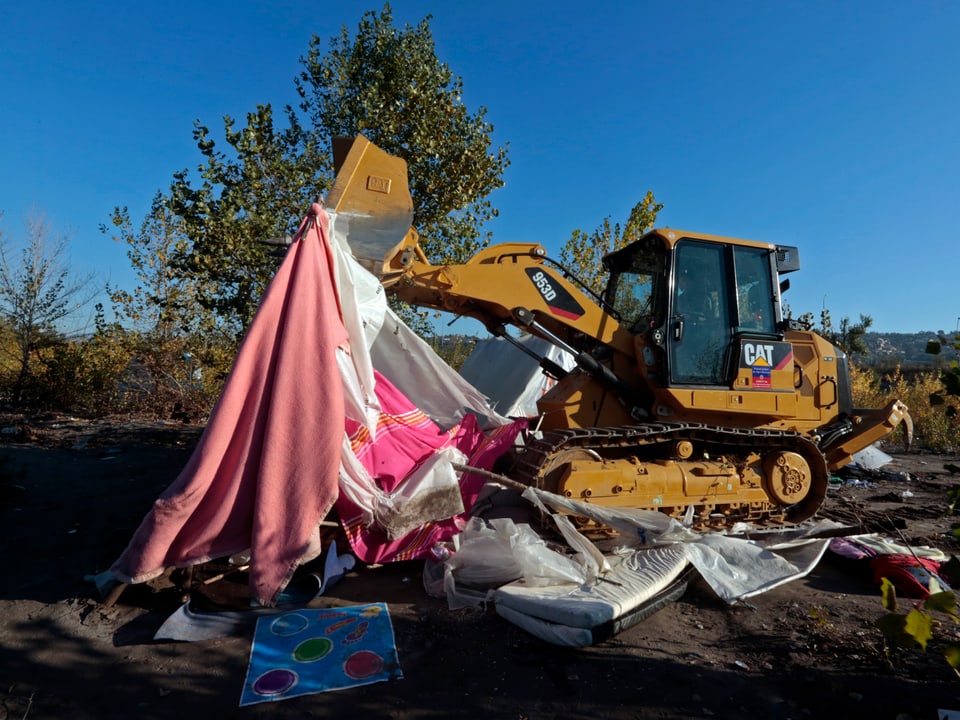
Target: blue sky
[{"x": 829, "y": 126}]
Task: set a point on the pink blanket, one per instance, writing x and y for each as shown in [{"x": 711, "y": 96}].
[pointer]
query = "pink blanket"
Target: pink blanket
[{"x": 265, "y": 471}]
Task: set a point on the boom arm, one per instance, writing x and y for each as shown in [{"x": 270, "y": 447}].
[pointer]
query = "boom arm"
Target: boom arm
[{"x": 508, "y": 283}]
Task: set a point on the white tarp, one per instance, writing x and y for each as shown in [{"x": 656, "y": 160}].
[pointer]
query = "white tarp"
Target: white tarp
[
  {"x": 509, "y": 377},
  {"x": 382, "y": 342},
  {"x": 394, "y": 350},
  {"x": 493, "y": 563},
  {"x": 871, "y": 458}
]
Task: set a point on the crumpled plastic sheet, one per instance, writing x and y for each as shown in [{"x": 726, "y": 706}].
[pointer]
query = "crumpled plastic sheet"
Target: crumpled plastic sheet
[{"x": 491, "y": 554}]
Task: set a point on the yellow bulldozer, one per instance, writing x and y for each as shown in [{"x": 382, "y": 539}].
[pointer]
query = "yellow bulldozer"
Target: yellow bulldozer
[{"x": 690, "y": 389}]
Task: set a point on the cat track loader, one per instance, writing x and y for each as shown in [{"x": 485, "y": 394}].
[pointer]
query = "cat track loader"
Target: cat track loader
[{"x": 690, "y": 388}]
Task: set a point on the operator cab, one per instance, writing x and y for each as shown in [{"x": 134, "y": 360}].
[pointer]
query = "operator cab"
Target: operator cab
[{"x": 699, "y": 300}]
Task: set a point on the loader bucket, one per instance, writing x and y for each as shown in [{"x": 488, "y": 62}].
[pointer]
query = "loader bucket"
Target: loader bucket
[
  {"x": 871, "y": 426},
  {"x": 371, "y": 199}
]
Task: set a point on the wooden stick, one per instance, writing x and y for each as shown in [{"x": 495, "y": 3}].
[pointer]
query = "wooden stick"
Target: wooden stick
[
  {"x": 513, "y": 484},
  {"x": 110, "y": 600},
  {"x": 221, "y": 576}
]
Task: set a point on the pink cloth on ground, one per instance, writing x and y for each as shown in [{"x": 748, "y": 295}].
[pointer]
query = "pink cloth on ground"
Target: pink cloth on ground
[
  {"x": 405, "y": 438},
  {"x": 266, "y": 468}
]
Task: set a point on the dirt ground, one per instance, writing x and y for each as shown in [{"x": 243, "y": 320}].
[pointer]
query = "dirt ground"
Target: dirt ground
[{"x": 72, "y": 493}]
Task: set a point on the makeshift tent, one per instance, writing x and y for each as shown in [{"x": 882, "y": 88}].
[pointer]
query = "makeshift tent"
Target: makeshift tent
[{"x": 274, "y": 457}]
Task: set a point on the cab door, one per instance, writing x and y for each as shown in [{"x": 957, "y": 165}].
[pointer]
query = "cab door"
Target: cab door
[
  {"x": 722, "y": 296},
  {"x": 700, "y": 327}
]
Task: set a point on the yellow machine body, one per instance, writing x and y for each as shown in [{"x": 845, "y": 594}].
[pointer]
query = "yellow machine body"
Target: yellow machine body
[{"x": 691, "y": 389}]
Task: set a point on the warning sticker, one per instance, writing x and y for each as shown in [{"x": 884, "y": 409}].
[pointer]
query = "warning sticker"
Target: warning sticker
[{"x": 760, "y": 372}]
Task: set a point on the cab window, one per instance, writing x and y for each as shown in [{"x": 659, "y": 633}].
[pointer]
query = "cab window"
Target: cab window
[
  {"x": 755, "y": 297},
  {"x": 700, "y": 316},
  {"x": 637, "y": 286}
]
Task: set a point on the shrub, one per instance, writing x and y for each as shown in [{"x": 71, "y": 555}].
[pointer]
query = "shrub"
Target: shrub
[
  {"x": 917, "y": 624},
  {"x": 118, "y": 371},
  {"x": 933, "y": 429},
  {"x": 81, "y": 376}
]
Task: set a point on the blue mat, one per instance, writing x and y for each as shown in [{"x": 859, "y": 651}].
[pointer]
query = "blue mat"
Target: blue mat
[{"x": 312, "y": 651}]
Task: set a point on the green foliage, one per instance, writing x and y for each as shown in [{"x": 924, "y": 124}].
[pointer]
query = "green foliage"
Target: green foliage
[
  {"x": 849, "y": 336},
  {"x": 953, "y": 496},
  {"x": 948, "y": 395},
  {"x": 81, "y": 376},
  {"x": 918, "y": 623},
  {"x": 452, "y": 349},
  {"x": 933, "y": 430},
  {"x": 583, "y": 253},
  {"x": 388, "y": 84},
  {"x": 257, "y": 193},
  {"x": 384, "y": 82},
  {"x": 36, "y": 295},
  {"x": 951, "y": 654},
  {"x": 78, "y": 375},
  {"x": 165, "y": 302},
  {"x": 177, "y": 351},
  {"x": 171, "y": 380}
]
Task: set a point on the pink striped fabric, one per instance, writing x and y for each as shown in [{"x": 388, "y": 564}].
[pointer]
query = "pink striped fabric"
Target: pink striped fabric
[{"x": 405, "y": 437}]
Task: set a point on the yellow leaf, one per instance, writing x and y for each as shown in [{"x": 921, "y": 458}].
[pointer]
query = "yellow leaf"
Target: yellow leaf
[
  {"x": 888, "y": 595},
  {"x": 952, "y": 654},
  {"x": 945, "y": 602},
  {"x": 919, "y": 626}
]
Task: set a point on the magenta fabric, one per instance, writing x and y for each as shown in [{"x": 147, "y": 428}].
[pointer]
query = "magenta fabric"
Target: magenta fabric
[
  {"x": 405, "y": 437},
  {"x": 266, "y": 468}
]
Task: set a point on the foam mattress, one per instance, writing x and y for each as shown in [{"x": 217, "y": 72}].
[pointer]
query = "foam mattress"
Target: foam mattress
[{"x": 579, "y": 615}]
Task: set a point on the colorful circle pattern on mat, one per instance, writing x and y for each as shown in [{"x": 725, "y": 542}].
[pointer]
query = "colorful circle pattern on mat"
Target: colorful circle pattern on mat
[
  {"x": 289, "y": 624},
  {"x": 275, "y": 682},
  {"x": 315, "y": 650},
  {"x": 363, "y": 664}
]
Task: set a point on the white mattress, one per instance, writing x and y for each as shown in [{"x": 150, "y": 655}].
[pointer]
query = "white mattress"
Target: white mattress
[{"x": 579, "y": 615}]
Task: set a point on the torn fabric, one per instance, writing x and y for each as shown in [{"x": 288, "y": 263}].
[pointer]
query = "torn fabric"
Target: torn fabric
[
  {"x": 378, "y": 471},
  {"x": 381, "y": 342}
]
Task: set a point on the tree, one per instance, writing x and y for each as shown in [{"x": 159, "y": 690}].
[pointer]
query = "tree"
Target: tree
[
  {"x": 37, "y": 294},
  {"x": 949, "y": 393},
  {"x": 389, "y": 85},
  {"x": 164, "y": 304},
  {"x": 181, "y": 349},
  {"x": 258, "y": 193},
  {"x": 384, "y": 82},
  {"x": 583, "y": 253},
  {"x": 850, "y": 337}
]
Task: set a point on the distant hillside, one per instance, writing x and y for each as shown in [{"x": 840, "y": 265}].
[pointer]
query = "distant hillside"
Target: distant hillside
[
  {"x": 905, "y": 349},
  {"x": 886, "y": 349}
]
